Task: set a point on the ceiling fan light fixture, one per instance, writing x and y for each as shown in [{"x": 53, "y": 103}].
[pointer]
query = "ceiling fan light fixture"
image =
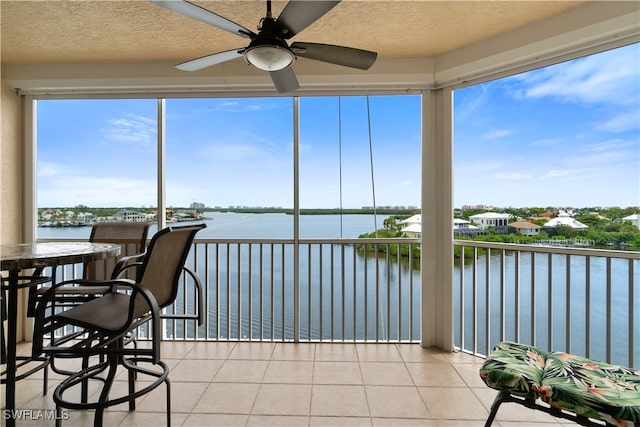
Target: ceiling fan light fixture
[{"x": 269, "y": 57}]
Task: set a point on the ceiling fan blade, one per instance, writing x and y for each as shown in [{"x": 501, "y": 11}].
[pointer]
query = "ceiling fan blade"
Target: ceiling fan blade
[
  {"x": 298, "y": 15},
  {"x": 209, "y": 60},
  {"x": 194, "y": 11},
  {"x": 340, "y": 55},
  {"x": 285, "y": 80}
]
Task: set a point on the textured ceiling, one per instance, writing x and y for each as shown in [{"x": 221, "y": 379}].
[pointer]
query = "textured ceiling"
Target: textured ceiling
[{"x": 60, "y": 31}]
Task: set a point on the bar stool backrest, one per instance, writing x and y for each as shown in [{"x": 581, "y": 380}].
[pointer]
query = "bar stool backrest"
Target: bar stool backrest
[
  {"x": 132, "y": 237},
  {"x": 163, "y": 265}
]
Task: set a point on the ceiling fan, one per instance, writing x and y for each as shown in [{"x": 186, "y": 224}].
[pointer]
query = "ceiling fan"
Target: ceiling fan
[{"x": 268, "y": 49}]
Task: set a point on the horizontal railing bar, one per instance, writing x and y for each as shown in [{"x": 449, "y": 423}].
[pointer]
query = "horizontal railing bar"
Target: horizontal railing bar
[
  {"x": 403, "y": 240},
  {"x": 606, "y": 253}
]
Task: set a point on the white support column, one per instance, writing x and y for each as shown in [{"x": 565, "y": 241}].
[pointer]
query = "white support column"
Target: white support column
[
  {"x": 30, "y": 201},
  {"x": 162, "y": 185},
  {"x": 437, "y": 219},
  {"x": 296, "y": 219},
  {"x": 30, "y": 176}
]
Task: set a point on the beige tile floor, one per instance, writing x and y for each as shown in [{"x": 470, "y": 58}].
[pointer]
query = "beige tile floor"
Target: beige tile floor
[{"x": 283, "y": 384}]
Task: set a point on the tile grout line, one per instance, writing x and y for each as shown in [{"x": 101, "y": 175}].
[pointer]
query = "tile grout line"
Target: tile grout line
[{"x": 366, "y": 394}]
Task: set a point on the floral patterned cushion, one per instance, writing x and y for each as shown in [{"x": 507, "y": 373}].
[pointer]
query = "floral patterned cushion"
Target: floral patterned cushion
[
  {"x": 515, "y": 368},
  {"x": 592, "y": 389}
]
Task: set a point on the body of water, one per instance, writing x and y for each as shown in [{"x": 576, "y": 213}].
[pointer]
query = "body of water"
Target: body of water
[
  {"x": 229, "y": 225},
  {"x": 326, "y": 291}
]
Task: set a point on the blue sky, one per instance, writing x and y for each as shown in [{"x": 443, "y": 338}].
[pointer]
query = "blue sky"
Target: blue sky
[{"x": 566, "y": 135}]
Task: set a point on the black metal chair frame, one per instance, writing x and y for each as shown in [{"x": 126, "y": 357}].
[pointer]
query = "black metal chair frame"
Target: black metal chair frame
[
  {"x": 126, "y": 234},
  {"x": 125, "y": 311},
  {"x": 506, "y": 397},
  {"x": 37, "y": 363}
]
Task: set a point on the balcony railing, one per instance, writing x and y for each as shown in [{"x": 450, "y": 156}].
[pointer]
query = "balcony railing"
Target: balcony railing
[
  {"x": 346, "y": 290},
  {"x": 368, "y": 290},
  {"x": 581, "y": 301}
]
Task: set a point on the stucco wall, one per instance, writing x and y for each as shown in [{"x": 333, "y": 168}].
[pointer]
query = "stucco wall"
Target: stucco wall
[
  {"x": 11, "y": 220},
  {"x": 11, "y": 181}
]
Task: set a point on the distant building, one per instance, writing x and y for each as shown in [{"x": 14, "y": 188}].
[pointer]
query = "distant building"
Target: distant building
[
  {"x": 413, "y": 231},
  {"x": 476, "y": 207},
  {"x": 635, "y": 219},
  {"x": 565, "y": 219},
  {"x": 526, "y": 228},
  {"x": 462, "y": 224},
  {"x": 86, "y": 217},
  {"x": 196, "y": 205},
  {"x": 47, "y": 215},
  {"x": 599, "y": 217},
  {"x": 412, "y": 227},
  {"x": 499, "y": 222},
  {"x": 391, "y": 208},
  {"x": 544, "y": 216},
  {"x": 462, "y": 227},
  {"x": 414, "y": 219},
  {"x": 131, "y": 216}
]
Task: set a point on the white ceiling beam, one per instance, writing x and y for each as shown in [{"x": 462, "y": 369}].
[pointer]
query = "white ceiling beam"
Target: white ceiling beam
[
  {"x": 583, "y": 30},
  {"x": 588, "y": 29},
  {"x": 388, "y": 74}
]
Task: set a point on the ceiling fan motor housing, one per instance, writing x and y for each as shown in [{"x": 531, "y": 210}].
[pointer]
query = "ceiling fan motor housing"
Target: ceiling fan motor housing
[{"x": 267, "y": 51}]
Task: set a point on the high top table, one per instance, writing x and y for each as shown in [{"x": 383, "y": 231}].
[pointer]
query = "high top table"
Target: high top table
[{"x": 21, "y": 256}]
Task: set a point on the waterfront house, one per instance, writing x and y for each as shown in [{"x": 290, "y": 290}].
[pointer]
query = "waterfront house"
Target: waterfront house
[
  {"x": 414, "y": 219},
  {"x": 107, "y": 50},
  {"x": 496, "y": 221},
  {"x": 412, "y": 226},
  {"x": 462, "y": 227},
  {"x": 85, "y": 217},
  {"x": 413, "y": 231},
  {"x": 565, "y": 219},
  {"x": 599, "y": 216},
  {"x": 463, "y": 224},
  {"x": 128, "y": 215},
  {"x": 526, "y": 228},
  {"x": 634, "y": 218}
]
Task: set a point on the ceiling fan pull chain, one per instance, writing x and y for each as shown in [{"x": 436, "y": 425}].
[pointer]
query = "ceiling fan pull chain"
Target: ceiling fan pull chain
[
  {"x": 373, "y": 181},
  {"x": 340, "y": 155}
]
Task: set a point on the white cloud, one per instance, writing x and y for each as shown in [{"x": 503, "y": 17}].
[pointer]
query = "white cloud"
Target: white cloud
[
  {"x": 71, "y": 190},
  {"x": 607, "y": 157},
  {"x": 513, "y": 176},
  {"x": 465, "y": 106},
  {"x": 547, "y": 142},
  {"x": 555, "y": 174},
  {"x": 245, "y": 151},
  {"x": 146, "y": 120},
  {"x": 497, "y": 133},
  {"x": 476, "y": 168},
  {"x": 303, "y": 148},
  {"x": 629, "y": 120},
  {"x": 245, "y": 147},
  {"x": 49, "y": 169},
  {"x": 603, "y": 78},
  {"x": 609, "y": 145},
  {"x": 133, "y": 129},
  {"x": 240, "y": 106}
]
